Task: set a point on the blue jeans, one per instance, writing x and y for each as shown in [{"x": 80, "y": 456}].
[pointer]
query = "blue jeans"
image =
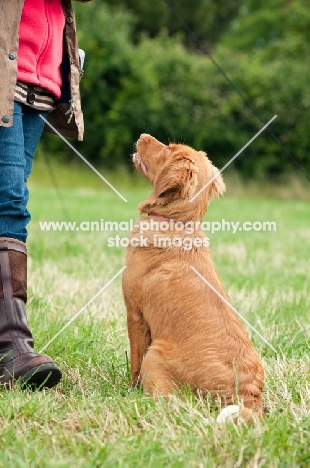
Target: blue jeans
[{"x": 17, "y": 147}]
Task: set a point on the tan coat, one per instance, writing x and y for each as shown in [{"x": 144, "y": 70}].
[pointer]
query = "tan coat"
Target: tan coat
[
  {"x": 10, "y": 14},
  {"x": 182, "y": 328}
]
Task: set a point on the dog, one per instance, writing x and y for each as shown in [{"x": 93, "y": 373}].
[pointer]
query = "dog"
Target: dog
[{"x": 181, "y": 332}]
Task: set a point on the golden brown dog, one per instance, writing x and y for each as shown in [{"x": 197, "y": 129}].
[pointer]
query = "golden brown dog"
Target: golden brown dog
[{"x": 181, "y": 332}]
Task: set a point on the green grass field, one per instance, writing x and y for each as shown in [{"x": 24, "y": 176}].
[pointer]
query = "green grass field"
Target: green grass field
[{"x": 92, "y": 418}]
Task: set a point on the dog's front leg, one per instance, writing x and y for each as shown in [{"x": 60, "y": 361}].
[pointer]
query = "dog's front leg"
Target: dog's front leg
[{"x": 139, "y": 339}]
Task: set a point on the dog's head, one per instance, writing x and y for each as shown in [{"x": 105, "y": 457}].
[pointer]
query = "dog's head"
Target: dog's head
[{"x": 177, "y": 173}]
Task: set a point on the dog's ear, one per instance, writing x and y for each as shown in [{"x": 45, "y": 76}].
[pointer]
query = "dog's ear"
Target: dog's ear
[
  {"x": 178, "y": 179},
  {"x": 218, "y": 186}
]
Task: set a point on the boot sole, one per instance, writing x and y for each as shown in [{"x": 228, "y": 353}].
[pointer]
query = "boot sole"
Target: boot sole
[{"x": 39, "y": 377}]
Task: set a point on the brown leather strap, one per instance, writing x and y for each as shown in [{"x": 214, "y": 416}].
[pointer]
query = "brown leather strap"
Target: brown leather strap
[
  {"x": 6, "y": 244},
  {"x": 5, "y": 274}
]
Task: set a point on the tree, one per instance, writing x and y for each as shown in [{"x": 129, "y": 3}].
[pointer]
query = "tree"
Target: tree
[{"x": 208, "y": 19}]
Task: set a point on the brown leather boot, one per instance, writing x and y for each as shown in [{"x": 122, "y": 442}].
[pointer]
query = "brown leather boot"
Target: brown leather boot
[{"x": 18, "y": 361}]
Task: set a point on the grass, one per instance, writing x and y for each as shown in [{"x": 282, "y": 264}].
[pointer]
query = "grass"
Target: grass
[
  {"x": 75, "y": 174},
  {"x": 92, "y": 418}
]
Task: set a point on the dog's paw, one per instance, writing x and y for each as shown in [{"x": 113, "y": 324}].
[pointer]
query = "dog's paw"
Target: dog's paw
[
  {"x": 229, "y": 414},
  {"x": 135, "y": 381}
]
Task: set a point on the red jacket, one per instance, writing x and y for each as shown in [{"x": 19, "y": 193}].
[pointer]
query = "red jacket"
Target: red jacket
[
  {"x": 40, "y": 53},
  {"x": 67, "y": 118}
]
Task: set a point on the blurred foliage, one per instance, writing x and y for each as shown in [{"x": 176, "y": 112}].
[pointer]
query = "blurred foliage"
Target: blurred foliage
[
  {"x": 281, "y": 28},
  {"x": 207, "y": 18},
  {"x": 159, "y": 86}
]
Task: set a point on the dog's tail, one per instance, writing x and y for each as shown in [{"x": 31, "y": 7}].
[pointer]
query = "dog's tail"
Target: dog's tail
[{"x": 238, "y": 413}]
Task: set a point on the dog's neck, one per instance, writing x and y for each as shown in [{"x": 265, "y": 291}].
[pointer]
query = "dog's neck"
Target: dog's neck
[
  {"x": 152, "y": 213},
  {"x": 174, "y": 211}
]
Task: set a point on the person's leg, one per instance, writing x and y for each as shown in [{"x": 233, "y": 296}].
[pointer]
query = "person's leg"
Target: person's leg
[
  {"x": 33, "y": 127},
  {"x": 13, "y": 212},
  {"x": 17, "y": 357},
  {"x": 17, "y": 147}
]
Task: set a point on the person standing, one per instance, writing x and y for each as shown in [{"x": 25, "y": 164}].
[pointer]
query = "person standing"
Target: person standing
[{"x": 39, "y": 74}]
